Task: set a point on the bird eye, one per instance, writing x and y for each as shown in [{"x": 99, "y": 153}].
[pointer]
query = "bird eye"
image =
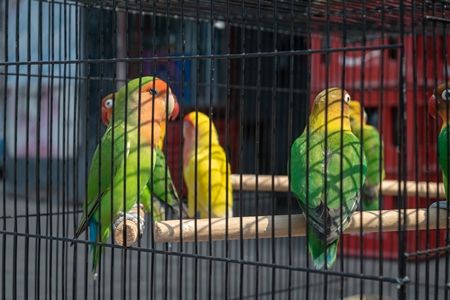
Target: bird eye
[
  {"x": 446, "y": 95},
  {"x": 347, "y": 98},
  {"x": 153, "y": 92},
  {"x": 109, "y": 103}
]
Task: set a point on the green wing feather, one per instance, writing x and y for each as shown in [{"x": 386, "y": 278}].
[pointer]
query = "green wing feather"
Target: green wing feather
[
  {"x": 163, "y": 189},
  {"x": 102, "y": 164}
]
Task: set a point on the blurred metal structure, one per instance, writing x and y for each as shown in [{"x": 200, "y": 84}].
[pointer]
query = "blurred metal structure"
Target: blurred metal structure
[{"x": 254, "y": 67}]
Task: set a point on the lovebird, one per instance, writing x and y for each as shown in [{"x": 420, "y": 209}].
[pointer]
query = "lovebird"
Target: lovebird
[
  {"x": 156, "y": 192},
  {"x": 438, "y": 102},
  {"x": 122, "y": 163},
  {"x": 372, "y": 147},
  {"x": 204, "y": 156},
  {"x": 326, "y": 170}
]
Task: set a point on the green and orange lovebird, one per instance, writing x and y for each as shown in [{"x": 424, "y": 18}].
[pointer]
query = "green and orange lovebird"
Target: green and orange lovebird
[
  {"x": 372, "y": 146},
  {"x": 439, "y": 102},
  {"x": 205, "y": 169},
  {"x": 326, "y": 171},
  {"x": 156, "y": 192},
  {"x": 122, "y": 163}
]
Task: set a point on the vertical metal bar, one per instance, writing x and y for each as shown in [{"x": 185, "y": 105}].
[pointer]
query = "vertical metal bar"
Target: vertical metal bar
[
  {"x": 413, "y": 44},
  {"x": 257, "y": 143},
  {"x": 124, "y": 252},
  {"x": 27, "y": 155},
  {"x": 154, "y": 64},
  {"x": 168, "y": 64},
  {"x": 99, "y": 54},
  {"x": 5, "y": 30},
  {"x": 272, "y": 146},
  {"x": 308, "y": 109},
  {"x": 382, "y": 149},
  {"x": 15, "y": 169},
  {"x": 210, "y": 114},
  {"x": 86, "y": 148},
  {"x": 289, "y": 143},
  {"x": 427, "y": 141},
  {"x": 196, "y": 246},
  {"x": 38, "y": 143},
  {"x": 325, "y": 169},
  {"x": 65, "y": 152},
  {"x": 138, "y": 203},
  {"x": 227, "y": 143},
  {"x": 343, "y": 81},
  {"x": 241, "y": 151},
  {"x": 139, "y": 141},
  {"x": 114, "y": 55},
  {"x": 77, "y": 140},
  {"x": 59, "y": 143},
  {"x": 181, "y": 157},
  {"x": 49, "y": 225},
  {"x": 363, "y": 76},
  {"x": 402, "y": 156},
  {"x": 101, "y": 266}
]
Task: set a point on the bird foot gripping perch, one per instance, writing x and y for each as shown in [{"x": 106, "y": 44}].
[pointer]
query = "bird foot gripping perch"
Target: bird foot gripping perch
[{"x": 129, "y": 225}]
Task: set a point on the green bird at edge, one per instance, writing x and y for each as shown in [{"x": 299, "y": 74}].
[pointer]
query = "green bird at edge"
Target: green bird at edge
[
  {"x": 328, "y": 153},
  {"x": 439, "y": 102}
]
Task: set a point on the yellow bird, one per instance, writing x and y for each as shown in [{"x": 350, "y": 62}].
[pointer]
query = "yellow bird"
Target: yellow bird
[{"x": 212, "y": 185}]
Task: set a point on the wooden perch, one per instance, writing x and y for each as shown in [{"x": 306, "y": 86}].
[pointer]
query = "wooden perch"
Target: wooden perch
[
  {"x": 372, "y": 221},
  {"x": 388, "y": 187},
  {"x": 130, "y": 230}
]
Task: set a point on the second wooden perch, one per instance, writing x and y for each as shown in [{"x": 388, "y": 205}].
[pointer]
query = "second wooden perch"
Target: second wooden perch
[
  {"x": 267, "y": 183},
  {"x": 371, "y": 221}
]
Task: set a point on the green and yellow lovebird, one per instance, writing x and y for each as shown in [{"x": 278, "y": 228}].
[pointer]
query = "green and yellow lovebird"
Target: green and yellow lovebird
[
  {"x": 122, "y": 163},
  {"x": 326, "y": 171},
  {"x": 439, "y": 102},
  {"x": 372, "y": 146},
  {"x": 158, "y": 191},
  {"x": 205, "y": 169}
]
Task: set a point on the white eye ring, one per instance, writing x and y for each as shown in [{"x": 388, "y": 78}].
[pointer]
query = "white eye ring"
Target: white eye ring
[
  {"x": 446, "y": 95},
  {"x": 109, "y": 103},
  {"x": 347, "y": 98}
]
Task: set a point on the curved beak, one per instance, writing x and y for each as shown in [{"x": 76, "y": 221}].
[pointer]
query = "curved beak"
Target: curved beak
[
  {"x": 175, "y": 111},
  {"x": 105, "y": 116},
  {"x": 432, "y": 106}
]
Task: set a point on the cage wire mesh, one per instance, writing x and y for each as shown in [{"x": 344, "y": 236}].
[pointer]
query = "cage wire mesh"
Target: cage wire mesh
[{"x": 255, "y": 68}]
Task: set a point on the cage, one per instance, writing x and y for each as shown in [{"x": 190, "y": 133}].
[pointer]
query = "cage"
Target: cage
[{"x": 254, "y": 68}]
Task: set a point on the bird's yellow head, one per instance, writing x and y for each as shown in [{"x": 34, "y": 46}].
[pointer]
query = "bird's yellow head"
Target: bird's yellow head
[{"x": 331, "y": 106}]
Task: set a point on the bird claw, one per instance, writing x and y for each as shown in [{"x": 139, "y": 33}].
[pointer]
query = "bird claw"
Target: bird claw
[
  {"x": 132, "y": 216},
  {"x": 440, "y": 204}
]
